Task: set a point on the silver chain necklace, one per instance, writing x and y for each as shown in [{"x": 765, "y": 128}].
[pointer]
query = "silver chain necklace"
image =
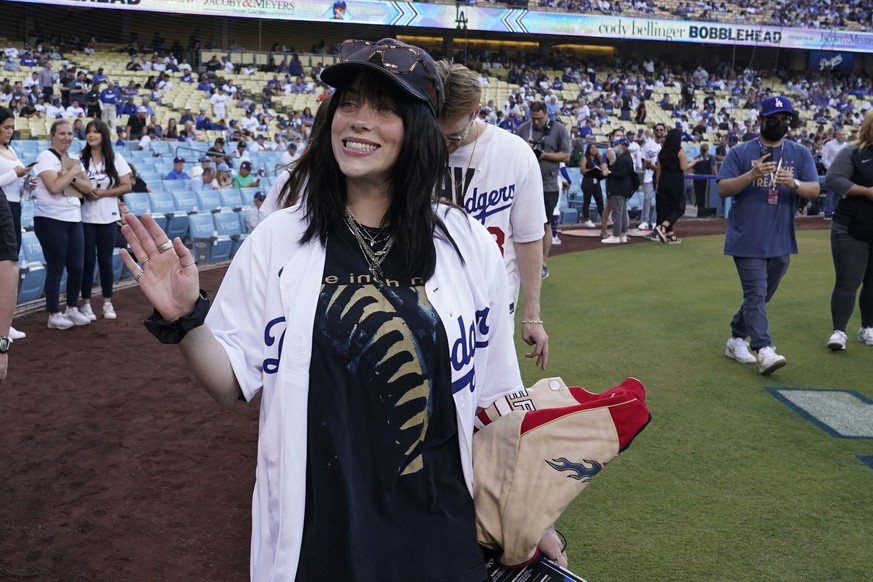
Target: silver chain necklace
[{"x": 374, "y": 257}]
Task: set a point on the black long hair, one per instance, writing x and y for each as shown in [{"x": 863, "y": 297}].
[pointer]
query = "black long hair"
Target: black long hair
[
  {"x": 105, "y": 149},
  {"x": 672, "y": 144},
  {"x": 5, "y": 114},
  {"x": 414, "y": 179},
  {"x": 290, "y": 192}
]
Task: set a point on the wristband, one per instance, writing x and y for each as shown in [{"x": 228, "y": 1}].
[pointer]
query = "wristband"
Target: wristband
[
  {"x": 172, "y": 332},
  {"x": 532, "y": 321}
]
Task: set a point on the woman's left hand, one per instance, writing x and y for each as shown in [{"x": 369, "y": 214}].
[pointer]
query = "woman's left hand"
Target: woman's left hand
[{"x": 552, "y": 546}]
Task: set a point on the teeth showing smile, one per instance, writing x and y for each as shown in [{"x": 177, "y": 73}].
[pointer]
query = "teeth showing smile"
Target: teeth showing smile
[{"x": 360, "y": 147}]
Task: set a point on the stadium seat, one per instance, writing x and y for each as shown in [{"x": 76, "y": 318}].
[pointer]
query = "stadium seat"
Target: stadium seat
[
  {"x": 176, "y": 222},
  {"x": 138, "y": 203},
  {"x": 231, "y": 198},
  {"x": 227, "y": 223},
  {"x": 32, "y": 281},
  {"x": 27, "y": 209},
  {"x": 205, "y": 243},
  {"x": 31, "y": 248},
  {"x": 209, "y": 200},
  {"x": 186, "y": 201}
]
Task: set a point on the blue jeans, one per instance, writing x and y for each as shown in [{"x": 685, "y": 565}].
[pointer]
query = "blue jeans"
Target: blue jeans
[
  {"x": 648, "y": 215},
  {"x": 63, "y": 245},
  {"x": 760, "y": 278},
  {"x": 853, "y": 266}
]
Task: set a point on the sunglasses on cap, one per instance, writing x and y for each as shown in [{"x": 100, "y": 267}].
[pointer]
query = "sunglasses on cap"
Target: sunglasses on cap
[{"x": 397, "y": 59}]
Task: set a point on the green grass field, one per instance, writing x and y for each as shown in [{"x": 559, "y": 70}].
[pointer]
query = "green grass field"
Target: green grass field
[{"x": 726, "y": 482}]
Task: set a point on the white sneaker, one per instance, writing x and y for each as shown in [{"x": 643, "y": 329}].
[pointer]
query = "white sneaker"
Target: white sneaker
[
  {"x": 611, "y": 240},
  {"x": 15, "y": 334},
  {"x": 737, "y": 349},
  {"x": 76, "y": 316},
  {"x": 865, "y": 334},
  {"x": 109, "y": 311},
  {"x": 587, "y": 224},
  {"x": 59, "y": 321},
  {"x": 769, "y": 361},
  {"x": 643, "y": 226},
  {"x": 88, "y": 312},
  {"x": 623, "y": 238},
  {"x": 556, "y": 240},
  {"x": 837, "y": 341}
]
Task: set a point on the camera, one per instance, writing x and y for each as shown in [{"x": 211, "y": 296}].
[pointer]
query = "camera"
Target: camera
[{"x": 537, "y": 147}]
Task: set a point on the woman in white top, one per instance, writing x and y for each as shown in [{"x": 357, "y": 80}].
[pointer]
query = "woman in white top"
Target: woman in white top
[
  {"x": 109, "y": 176},
  {"x": 57, "y": 223},
  {"x": 11, "y": 173}
]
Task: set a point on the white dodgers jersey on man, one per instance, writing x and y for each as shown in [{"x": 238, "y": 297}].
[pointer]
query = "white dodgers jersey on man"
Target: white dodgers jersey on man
[{"x": 498, "y": 178}]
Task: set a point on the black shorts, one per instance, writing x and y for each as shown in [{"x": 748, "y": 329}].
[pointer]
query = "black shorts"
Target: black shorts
[
  {"x": 551, "y": 199},
  {"x": 8, "y": 242}
]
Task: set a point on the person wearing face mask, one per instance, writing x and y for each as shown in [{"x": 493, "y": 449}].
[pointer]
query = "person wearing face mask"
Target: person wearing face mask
[{"x": 764, "y": 178}]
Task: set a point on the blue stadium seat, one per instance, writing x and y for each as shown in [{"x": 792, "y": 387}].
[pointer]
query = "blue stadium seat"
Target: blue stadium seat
[
  {"x": 32, "y": 282},
  {"x": 248, "y": 194},
  {"x": 186, "y": 201},
  {"x": 31, "y": 248},
  {"x": 231, "y": 198},
  {"x": 205, "y": 243},
  {"x": 227, "y": 223},
  {"x": 176, "y": 221},
  {"x": 209, "y": 200},
  {"x": 138, "y": 203}
]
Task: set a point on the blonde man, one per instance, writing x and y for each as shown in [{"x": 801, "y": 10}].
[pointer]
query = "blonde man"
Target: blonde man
[{"x": 494, "y": 174}]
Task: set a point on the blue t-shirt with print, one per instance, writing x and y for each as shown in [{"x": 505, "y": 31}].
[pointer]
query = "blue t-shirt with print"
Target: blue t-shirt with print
[{"x": 756, "y": 228}]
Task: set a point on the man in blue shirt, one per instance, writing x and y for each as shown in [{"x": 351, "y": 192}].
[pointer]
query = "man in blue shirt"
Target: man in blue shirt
[
  {"x": 109, "y": 98},
  {"x": 178, "y": 172},
  {"x": 186, "y": 116},
  {"x": 763, "y": 177}
]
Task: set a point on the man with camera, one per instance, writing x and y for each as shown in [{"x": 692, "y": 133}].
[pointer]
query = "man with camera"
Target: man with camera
[{"x": 550, "y": 142}]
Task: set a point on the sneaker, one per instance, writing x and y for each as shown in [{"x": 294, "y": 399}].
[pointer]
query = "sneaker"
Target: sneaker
[
  {"x": 661, "y": 233},
  {"x": 556, "y": 240},
  {"x": 643, "y": 226},
  {"x": 737, "y": 349},
  {"x": 109, "y": 311},
  {"x": 653, "y": 237},
  {"x": 88, "y": 312},
  {"x": 611, "y": 240},
  {"x": 15, "y": 334},
  {"x": 769, "y": 361},
  {"x": 76, "y": 316},
  {"x": 545, "y": 272},
  {"x": 865, "y": 334},
  {"x": 59, "y": 321},
  {"x": 837, "y": 341},
  {"x": 588, "y": 224},
  {"x": 623, "y": 238}
]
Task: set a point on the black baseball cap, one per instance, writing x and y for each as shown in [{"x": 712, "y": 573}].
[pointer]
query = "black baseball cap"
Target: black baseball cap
[
  {"x": 410, "y": 68},
  {"x": 245, "y": 166}
]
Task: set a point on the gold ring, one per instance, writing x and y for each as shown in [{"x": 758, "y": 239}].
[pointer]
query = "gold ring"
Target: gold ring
[
  {"x": 145, "y": 261},
  {"x": 138, "y": 275},
  {"x": 188, "y": 264},
  {"x": 166, "y": 246}
]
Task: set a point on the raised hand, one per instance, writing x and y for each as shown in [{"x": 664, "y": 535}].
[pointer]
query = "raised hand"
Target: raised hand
[{"x": 169, "y": 280}]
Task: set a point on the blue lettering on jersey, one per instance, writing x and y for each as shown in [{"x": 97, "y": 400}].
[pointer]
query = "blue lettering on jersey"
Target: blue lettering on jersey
[
  {"x": 470, "y": 337},
  {"x": 482, "y": 204},
  {"x": 271, "y": 365}
]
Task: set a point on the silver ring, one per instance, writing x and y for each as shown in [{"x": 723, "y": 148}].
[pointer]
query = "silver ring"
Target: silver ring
[
  {"x": 138, "y": 275},
  {"x": 166, "y": 246},
  {"x": 188, "y": 264}
]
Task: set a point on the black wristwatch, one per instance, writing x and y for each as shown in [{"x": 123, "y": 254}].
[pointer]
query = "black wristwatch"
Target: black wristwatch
[{"x": 5, "y": 344}]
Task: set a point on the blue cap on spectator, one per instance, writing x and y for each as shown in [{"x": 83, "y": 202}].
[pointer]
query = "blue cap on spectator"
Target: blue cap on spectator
[
  {"x": 178, "y": 160},
  {"x": 245, "y": 166},
  {"x": 259, "y": 195},
  {"x": 773, "y": 105},
  {"x": 733, "y": 137},
  {"x": 205, "y": 159},
  {"x": 223, "y": 168},
  {"x": 621, "y": 141}
]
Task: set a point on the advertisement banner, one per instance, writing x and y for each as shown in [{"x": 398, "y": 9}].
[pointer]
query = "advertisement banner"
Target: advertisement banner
[
  {"x": 511, "y": 20},
  {"x": 822, "y": 61}
]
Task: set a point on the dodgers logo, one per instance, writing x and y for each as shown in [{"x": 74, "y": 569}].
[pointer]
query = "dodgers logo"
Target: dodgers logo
[
  {"x": 483, "y": 203},
  {"x": 271, "y": 365},
  {"x": 579, "y": 471},
  {"x": 470, "y": 337}
]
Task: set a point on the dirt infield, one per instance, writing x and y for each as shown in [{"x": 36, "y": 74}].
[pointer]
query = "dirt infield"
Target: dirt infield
[{"x": 115, "y": 465}]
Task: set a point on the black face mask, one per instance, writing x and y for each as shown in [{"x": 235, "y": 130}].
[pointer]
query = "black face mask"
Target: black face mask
[{"x": 774, "y": 129}]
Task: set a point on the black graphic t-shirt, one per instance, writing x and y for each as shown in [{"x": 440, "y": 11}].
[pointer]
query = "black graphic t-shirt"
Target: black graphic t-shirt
[{"x": 385, "y": 492}]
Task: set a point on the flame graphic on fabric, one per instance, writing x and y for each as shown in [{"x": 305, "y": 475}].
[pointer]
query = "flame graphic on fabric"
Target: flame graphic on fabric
[
  {"x": 580, "y": 471},
  {"x": 385, "y": 357}
]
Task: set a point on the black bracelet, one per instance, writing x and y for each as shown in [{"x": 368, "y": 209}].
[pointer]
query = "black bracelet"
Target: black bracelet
[{"x": 172, "y": 332}]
